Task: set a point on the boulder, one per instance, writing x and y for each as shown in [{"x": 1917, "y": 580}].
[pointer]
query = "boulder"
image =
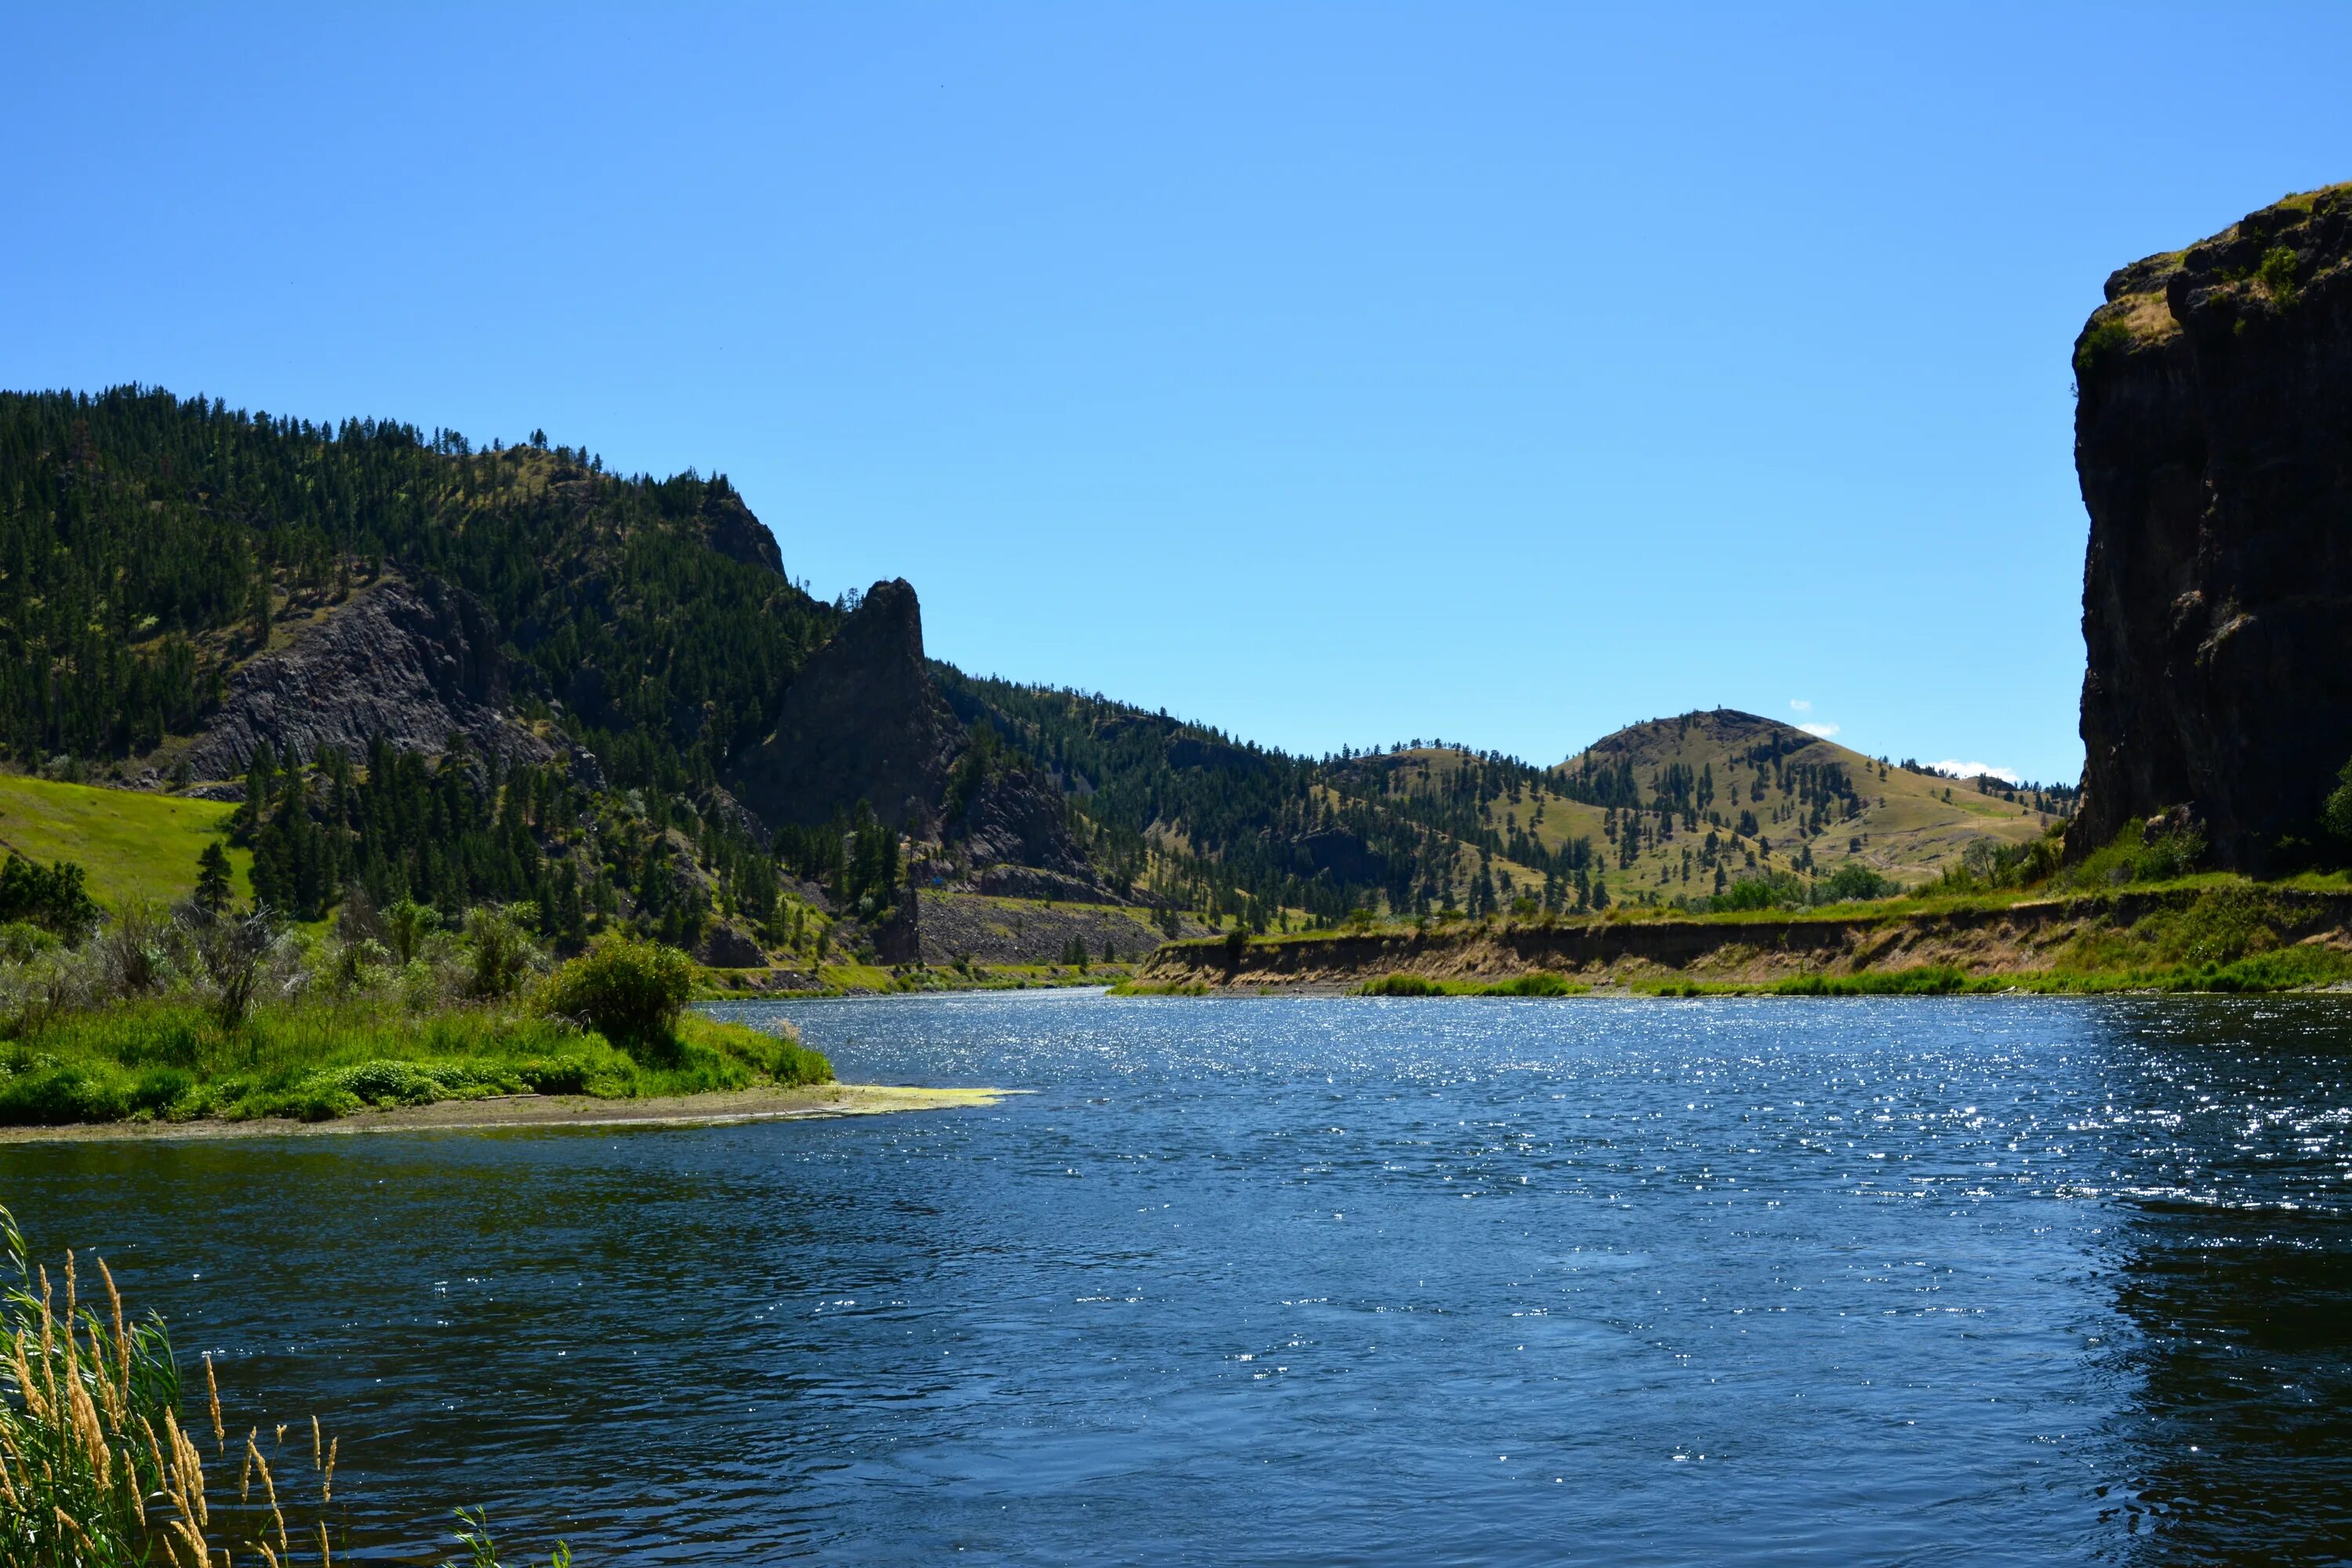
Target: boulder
[{"x": 729, "y": 946}]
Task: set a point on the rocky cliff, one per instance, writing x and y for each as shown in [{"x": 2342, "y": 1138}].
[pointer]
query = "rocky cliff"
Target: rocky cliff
[
  {"x": 2213, "y": 440},
  {"x": 864, "y": 719},
  {"x": 413, "y": 661},
  {"x": 861, "y": 720}
]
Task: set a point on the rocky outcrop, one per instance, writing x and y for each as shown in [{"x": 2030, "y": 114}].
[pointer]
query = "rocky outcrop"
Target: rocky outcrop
[
  {"x": 2213, "y": 440},
  {"x": 861, "y": 720},
  {"x": 414, "y": 662},
  {"x": 729, "y": 527},
  {"x": 726, "y": 945},
  {"x": 1019, "y": 819}
]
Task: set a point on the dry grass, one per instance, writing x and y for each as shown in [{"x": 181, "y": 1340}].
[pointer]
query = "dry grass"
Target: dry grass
[{"x": 95, "y": 1469}]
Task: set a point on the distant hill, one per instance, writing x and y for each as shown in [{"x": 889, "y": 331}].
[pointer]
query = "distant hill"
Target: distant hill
[
  {"x": 1204, "y": 819},
  {"x": 1683, "y": 807},
  {"x": 1794, "y": 798},
  {"x": 420, "y": 667}
]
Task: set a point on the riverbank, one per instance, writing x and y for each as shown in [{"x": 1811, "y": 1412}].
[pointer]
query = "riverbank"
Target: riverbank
[
  {"x": 2216, "y": 934},
  {"x": 835, "y": 980},
  {"x": 720, "y": 1107}
]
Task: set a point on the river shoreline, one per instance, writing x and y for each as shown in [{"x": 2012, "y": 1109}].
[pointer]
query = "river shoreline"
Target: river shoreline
[
  {"x": 2210, "y": 934},
  {"x": 721, "y": 1108}
]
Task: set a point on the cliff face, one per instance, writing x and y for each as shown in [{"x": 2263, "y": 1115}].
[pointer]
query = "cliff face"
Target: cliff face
[
  {"x": 414, "y": 662},
  {"x": 2213, "y": 440},
  {"x": 729, "y": 527},
  {"x": 861, "y": 720}
]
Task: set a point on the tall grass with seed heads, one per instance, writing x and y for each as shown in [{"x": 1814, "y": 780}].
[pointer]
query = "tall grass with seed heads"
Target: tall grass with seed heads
[{"x": 97, "y": 1469}]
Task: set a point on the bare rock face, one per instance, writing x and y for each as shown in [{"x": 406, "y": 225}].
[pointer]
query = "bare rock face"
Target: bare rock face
[
  {"x": 2213, "y": 441},
  {"x": 732, "y": 530},
  {"x": 729, "y": 946},
  {"x": 1018, "y": 819},
  {"x": 414, "y": 662},
  {"x": 861, "y": 720}
]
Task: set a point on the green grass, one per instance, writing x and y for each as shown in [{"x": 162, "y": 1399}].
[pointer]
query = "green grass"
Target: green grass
[
  {"x": 1540, "y": 983},
  {"x": 171, "y": 1061},
  {"x": 131, "y": 845},
  {"x": 1160, "y": 989}
]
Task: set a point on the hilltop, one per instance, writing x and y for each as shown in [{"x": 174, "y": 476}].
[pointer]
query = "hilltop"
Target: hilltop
[
  {"x": 404, "y": 664},
  {"x": 1683, "y": 807}
]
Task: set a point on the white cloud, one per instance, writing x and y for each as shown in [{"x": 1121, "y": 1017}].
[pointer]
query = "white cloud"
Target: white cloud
[
  {"x": 1799, "y": 705},
  {"x": 1819, "y": 730},
  {"x": 1970, "y": 770}
]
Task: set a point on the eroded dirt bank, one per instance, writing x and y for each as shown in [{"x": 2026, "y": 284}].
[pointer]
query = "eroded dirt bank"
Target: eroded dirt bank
[{"x": 2020, "y": 938}]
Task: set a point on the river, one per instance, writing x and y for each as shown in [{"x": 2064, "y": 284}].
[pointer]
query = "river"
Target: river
[{"x": 1300, "y": 1280}]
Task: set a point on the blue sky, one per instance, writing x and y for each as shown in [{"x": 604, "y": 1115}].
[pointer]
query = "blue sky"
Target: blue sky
[{"x": 1333, "y": 373}]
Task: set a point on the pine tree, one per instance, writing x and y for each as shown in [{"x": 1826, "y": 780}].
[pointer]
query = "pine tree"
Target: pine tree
[{"x": 212, "y": 880}]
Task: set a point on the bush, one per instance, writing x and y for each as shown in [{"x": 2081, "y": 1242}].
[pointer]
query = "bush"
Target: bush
[
  {"x": 499, "y": 952},
  {"x": 2101, "y": 346},
  {"x": 2276, "y": 275},
  {"x": 1854, "y": 882},
  {"x": 2336, "y": 815},
  {"x": 54, "y": 900},
  {"x": 1772, "y": 890},
  {"x": 628, "y": 990},
  {"x": 2135, "y": 855},
  {"x": 22, "y": 941}
]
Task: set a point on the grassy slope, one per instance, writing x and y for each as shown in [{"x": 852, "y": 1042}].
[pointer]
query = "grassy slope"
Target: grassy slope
[
  {"x": 169, "y": 1061},
  {"x": 132, "y": 845},
  {"x": 1910, "y": 831}
]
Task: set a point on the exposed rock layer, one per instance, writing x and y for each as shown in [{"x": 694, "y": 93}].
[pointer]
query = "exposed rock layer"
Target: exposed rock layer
[
  {"x": 2213, "y": 440},
  {"x": 414, "y": 662}
]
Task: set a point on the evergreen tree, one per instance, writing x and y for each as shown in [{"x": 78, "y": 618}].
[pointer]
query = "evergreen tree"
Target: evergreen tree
[{"x": 212, "y": 888}]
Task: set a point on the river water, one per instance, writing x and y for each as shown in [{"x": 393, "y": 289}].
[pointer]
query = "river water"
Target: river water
[{"x": 1331, "y": 1281}]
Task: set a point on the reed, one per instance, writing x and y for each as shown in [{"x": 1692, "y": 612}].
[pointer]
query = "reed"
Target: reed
[{"x": 97, "y": 1469}]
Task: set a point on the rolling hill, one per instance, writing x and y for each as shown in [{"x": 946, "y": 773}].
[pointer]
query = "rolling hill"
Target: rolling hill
[{"x": 1656, "y": 810}]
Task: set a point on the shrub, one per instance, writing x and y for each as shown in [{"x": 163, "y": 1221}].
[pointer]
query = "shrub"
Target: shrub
[
  {"x": 2336, "y": 815},
  {"x": 2135, "y": 855},
  {"x": 2275, "y": 273},
  {"x": 54, "y": 898},
  {"x": 1854, "y": 882},
  {"x": 2102, "y": 346},
  {"x": 235, "y": 953},
  {"x": 628, "y": 990},
  {"x": 22, "y": 941},
  {"x": 1772, "y": 890},
  {"x": 499, "y": 952}
]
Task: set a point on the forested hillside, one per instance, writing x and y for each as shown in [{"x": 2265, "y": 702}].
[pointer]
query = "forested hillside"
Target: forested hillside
[
  {"x": 147, "y": 544},
  {"x": 429, "y": 671},
  {"x": 1661, "y": 813}
]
